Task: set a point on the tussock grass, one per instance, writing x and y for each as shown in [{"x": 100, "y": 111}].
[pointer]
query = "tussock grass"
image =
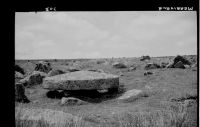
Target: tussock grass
[{"x": 172, "y": 116}]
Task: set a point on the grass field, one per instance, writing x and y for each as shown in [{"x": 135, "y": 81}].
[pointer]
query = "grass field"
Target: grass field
[{"x": 169, "y": 97}]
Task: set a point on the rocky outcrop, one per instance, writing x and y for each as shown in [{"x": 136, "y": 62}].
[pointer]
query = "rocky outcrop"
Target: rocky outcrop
[
  {"x": 35, "y": 78},
  {"x": 20, "y": 93},
  {"x": 182, "y": 59},
  {"x": 43, "y": 67},
  {"x": 81, "y": 80}
]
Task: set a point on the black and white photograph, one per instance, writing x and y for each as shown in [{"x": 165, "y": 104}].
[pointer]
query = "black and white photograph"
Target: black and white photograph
[{"x": 106, "y": 69}]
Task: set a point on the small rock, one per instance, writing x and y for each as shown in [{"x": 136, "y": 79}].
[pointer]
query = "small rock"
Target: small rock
[
  {"x": 179, "y": 65},
  {"x": 130, "y": 93},
  {"x": 132, "y": 68},
  {"x": 145, "y": 58},
  {"x": 71, "y": 101},
  {"x": 148, "y": 73},
  {"x": 119, "y": 65},
  {"x": 152, "y": 66},
  {"x": 187, "y": 66}
]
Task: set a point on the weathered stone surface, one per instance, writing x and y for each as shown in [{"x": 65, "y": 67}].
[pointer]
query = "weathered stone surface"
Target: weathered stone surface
[
  {"x": 187, "y": 66},
  {"x": 179, "y": 65},
  {"x": 33, "y": 79},
  {"x": 151, "y": 66},
  {"x": 58, "y": 118},
  {"x": 19, "y": 69},
  {"x": 72, "y": 101},
  {"x": 55, "y": 72},
  {"x": 18, "y": 75},
  {"x": 40, "y": 73},
  {"x": 81, "y": 80},
  {"x": 43, "y": 67},
  {"x": 130, "y": 93},
  {"x": 119, "y": 65},
  {"x": 20, "y": 93}
]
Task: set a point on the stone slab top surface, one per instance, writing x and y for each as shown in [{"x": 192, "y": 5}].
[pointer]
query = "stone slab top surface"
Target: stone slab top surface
[
  {"x": 81, "y": 75},
  {"x": 81, "y": 80}
]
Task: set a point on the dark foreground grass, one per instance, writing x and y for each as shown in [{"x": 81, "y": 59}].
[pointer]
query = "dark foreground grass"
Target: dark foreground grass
[{"x": 172, "y": 116}]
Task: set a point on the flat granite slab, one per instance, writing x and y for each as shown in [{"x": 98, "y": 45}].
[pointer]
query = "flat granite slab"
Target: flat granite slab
[{"x": 81, "y": 80}]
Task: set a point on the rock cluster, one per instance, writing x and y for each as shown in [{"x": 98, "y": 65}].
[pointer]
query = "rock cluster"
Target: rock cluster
[
  {"x": 179, "y": 62},
  {"x": 43, "y": 67}
]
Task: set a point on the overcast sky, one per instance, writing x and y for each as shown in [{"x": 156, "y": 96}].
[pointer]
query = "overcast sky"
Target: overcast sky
[{"x": 66, "y": 35}]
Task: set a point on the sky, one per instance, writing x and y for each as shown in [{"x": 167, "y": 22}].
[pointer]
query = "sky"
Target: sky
[{"x": 104, "y": 34}]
